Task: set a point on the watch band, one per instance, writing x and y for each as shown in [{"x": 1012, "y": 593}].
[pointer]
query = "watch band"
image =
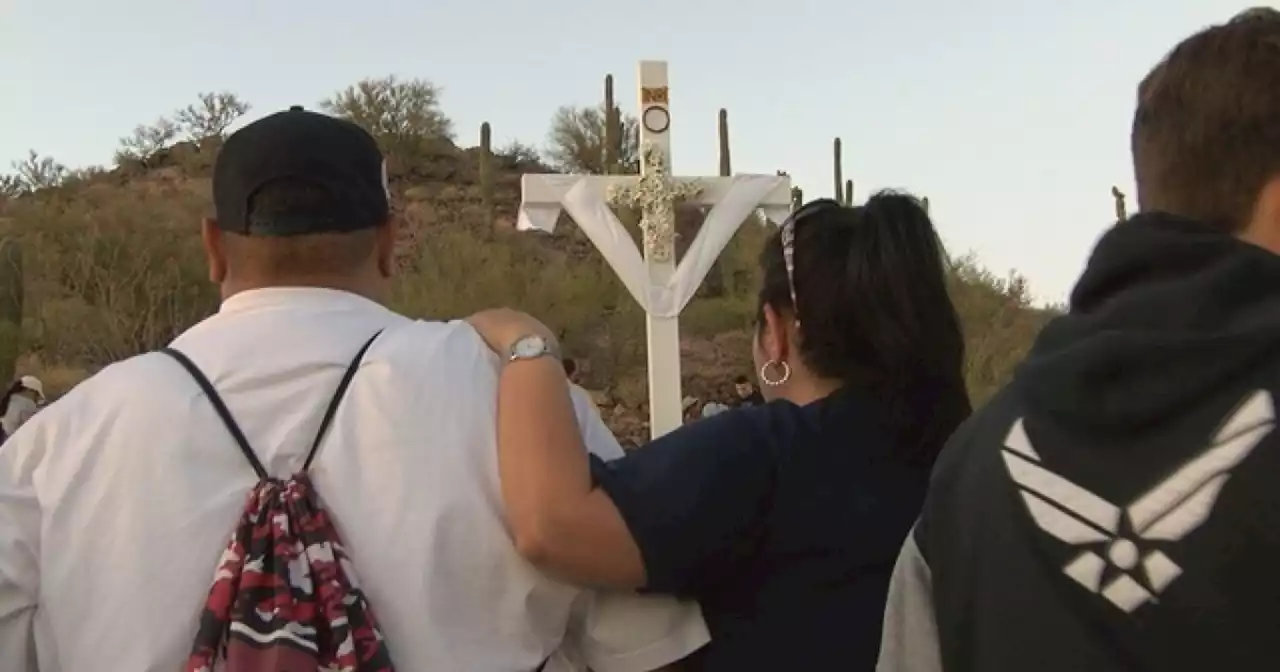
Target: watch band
[{"x": 532, "y": 346}]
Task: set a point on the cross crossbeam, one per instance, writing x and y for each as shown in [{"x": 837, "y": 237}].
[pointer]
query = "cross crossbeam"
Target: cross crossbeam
[{"x": 657, "y": 283}]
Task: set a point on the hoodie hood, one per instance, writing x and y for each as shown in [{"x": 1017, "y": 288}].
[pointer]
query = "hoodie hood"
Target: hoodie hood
[{"x": 1167, "y": 313}]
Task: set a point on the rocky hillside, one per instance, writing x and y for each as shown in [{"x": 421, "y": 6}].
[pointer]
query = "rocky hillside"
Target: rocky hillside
[{"x": 110, "y": 266}]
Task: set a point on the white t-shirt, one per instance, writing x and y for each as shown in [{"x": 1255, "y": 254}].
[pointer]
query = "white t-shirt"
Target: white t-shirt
[
  {"x": 21, "y": 409},
  {"x": 116, "y": 501}
]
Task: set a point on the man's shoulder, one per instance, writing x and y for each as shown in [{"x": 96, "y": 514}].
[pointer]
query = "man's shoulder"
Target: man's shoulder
[
  {"x": 123, "y": 380},
  {"x": 418, "y": 338},
  {"x": 406, "y": 341},
  {"x": 111, "y": 389}
]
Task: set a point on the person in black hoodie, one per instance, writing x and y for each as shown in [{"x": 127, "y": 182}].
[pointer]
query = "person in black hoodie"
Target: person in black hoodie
[{"x": 1116, "y": 506}]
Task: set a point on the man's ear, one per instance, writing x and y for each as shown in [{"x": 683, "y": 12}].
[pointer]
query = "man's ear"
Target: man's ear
[
  {"x": 1264, "y": 228},
  {"x": 385, "y": 247},
  {"x": 215, "y": 253}
]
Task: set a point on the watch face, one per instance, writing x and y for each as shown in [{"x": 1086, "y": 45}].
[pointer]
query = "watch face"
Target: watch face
[{"x": 530, "y": 346}]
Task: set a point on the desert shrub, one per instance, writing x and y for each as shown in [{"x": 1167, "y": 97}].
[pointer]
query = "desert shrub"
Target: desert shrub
[
  {"x": 404, "y": 115},
  {"x": 206, "y": 120},
  {"x": 1000, "y": 324},
  {"x": 36, "y": 172},
  {"x": 210, "y": 116},
  {"x": 113, "y": 267},
  {"x": 455, "y": 275},
  {"x": 111, "y": 275},
  {"x": 578, "y": 138}
]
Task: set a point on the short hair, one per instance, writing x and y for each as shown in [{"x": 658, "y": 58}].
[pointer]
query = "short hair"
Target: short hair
[
  {"x": 1206, "y": 132},
  {"x": 741, "y": 380},
  {"x": 875, "y": 312},
  {"x": 301, "y": 254}
]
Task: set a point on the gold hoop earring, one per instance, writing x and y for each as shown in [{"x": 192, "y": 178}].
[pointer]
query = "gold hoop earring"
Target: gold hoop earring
[{"x": 764, "y": 373}]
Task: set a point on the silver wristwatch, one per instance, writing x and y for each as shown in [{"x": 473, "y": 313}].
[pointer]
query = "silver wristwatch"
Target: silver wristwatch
[{"x": 532, "y": 346}]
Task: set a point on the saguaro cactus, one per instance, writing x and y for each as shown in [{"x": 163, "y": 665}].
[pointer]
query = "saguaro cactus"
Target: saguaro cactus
[
  {"x": 715, "y": 283},
  {"x": 726, "y": 166},
  {"x": 1122, "y": 212},
  {"x": 11, "y": 295},
  {"x": 839, "y": 166},
  {"x": 486, "y": 174},
  {"x": 612, "y": 129}
]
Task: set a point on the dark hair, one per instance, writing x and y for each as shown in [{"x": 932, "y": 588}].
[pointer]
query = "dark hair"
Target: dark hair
[
  {"x": 570, "y": 366},
  {"x": 741, "y": 380},
  {"x": 15, "y": 388},
  {"x": 1206, "y": 133},
  {"x": 280, "y": 205},
  {"x": 874, "y": 311}
]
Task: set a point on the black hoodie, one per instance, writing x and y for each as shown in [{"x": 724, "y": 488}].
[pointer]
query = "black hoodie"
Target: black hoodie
[{"x": 1117, "y": 506}]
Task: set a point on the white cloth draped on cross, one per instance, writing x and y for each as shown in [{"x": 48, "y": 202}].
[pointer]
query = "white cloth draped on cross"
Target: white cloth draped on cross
[
  {"x": 587, "y": 199},
  {"x": 658, "y": 284}
]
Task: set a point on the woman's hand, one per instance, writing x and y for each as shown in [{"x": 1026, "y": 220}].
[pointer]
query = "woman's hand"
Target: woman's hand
[{"x": 502, "y": 327}]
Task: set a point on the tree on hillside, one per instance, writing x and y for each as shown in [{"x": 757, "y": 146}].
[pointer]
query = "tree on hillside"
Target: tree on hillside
[
  {"x": 211, "y": 116},
  {"x": 39, "y": 172},
  {"x": 519, "y": 153},
  {"x": 403, "y": 115},
  {"x": 11, "y": 186},
  {"x": 577, "y": 142},
  {"x": 146, "y": 140}
]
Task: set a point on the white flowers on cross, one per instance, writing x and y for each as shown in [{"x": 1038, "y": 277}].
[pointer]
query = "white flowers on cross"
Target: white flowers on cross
[{"x": 656, "y": 196}]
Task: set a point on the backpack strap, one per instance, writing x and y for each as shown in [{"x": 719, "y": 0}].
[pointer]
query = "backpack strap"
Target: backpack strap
[
  {"x": 225, "y": 414},
  {"x": 337, "y": 399},
  {"x": 221, "y": 408}
]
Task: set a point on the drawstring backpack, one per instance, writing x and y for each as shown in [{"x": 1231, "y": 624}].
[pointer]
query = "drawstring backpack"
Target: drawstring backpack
[{"x": 285, "y": 597}]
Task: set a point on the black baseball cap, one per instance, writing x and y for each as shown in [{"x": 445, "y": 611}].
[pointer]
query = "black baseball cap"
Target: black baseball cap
[{"x": 335, "y": 155}]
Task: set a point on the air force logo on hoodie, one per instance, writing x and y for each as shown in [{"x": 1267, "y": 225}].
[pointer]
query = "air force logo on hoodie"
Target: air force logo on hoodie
[{"x": 1167, "y": 512}]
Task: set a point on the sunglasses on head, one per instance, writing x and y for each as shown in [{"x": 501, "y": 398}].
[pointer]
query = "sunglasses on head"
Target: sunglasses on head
[{"x": 788, "y": 239}]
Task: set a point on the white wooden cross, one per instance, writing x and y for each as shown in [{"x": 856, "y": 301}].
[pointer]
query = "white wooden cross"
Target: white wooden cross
[{"x": 658, "y": 284}]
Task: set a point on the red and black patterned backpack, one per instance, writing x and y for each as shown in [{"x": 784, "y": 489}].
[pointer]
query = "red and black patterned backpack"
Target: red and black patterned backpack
[{"x": 285, "y": 597}]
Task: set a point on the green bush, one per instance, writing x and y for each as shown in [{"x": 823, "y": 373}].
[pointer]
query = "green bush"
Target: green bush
[{"x": 112, "y": 265}]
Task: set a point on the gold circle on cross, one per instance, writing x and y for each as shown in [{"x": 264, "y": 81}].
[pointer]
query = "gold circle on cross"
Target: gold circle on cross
[{"x": 656, "y": 119}]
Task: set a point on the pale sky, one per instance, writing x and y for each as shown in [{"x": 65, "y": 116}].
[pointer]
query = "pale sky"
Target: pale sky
[{"x": 1012, "y": 117}]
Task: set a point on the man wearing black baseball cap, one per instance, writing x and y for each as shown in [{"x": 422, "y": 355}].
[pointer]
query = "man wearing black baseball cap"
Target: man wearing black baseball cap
[
  {"x": 116, "y": 501},
  {"x": 301, "y": 198}
]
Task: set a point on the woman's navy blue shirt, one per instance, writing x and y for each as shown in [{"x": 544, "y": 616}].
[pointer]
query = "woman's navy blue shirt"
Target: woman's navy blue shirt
[{"x": 783, "y": 521}]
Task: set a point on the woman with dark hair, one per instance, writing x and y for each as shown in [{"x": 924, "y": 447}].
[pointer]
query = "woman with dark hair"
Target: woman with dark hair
[{"x": 783, "y": 520}]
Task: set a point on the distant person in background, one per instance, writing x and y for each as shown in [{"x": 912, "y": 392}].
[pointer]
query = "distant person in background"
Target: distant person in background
[
  {"x": 571, "y": 370},
  {"x": 782, "y": 519},
  {"x": 747, "y": 394},
  {"x": 713, "y": 408},
  {"x": 690, "y": 407},
  {"x": 20, "y": 402}
]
